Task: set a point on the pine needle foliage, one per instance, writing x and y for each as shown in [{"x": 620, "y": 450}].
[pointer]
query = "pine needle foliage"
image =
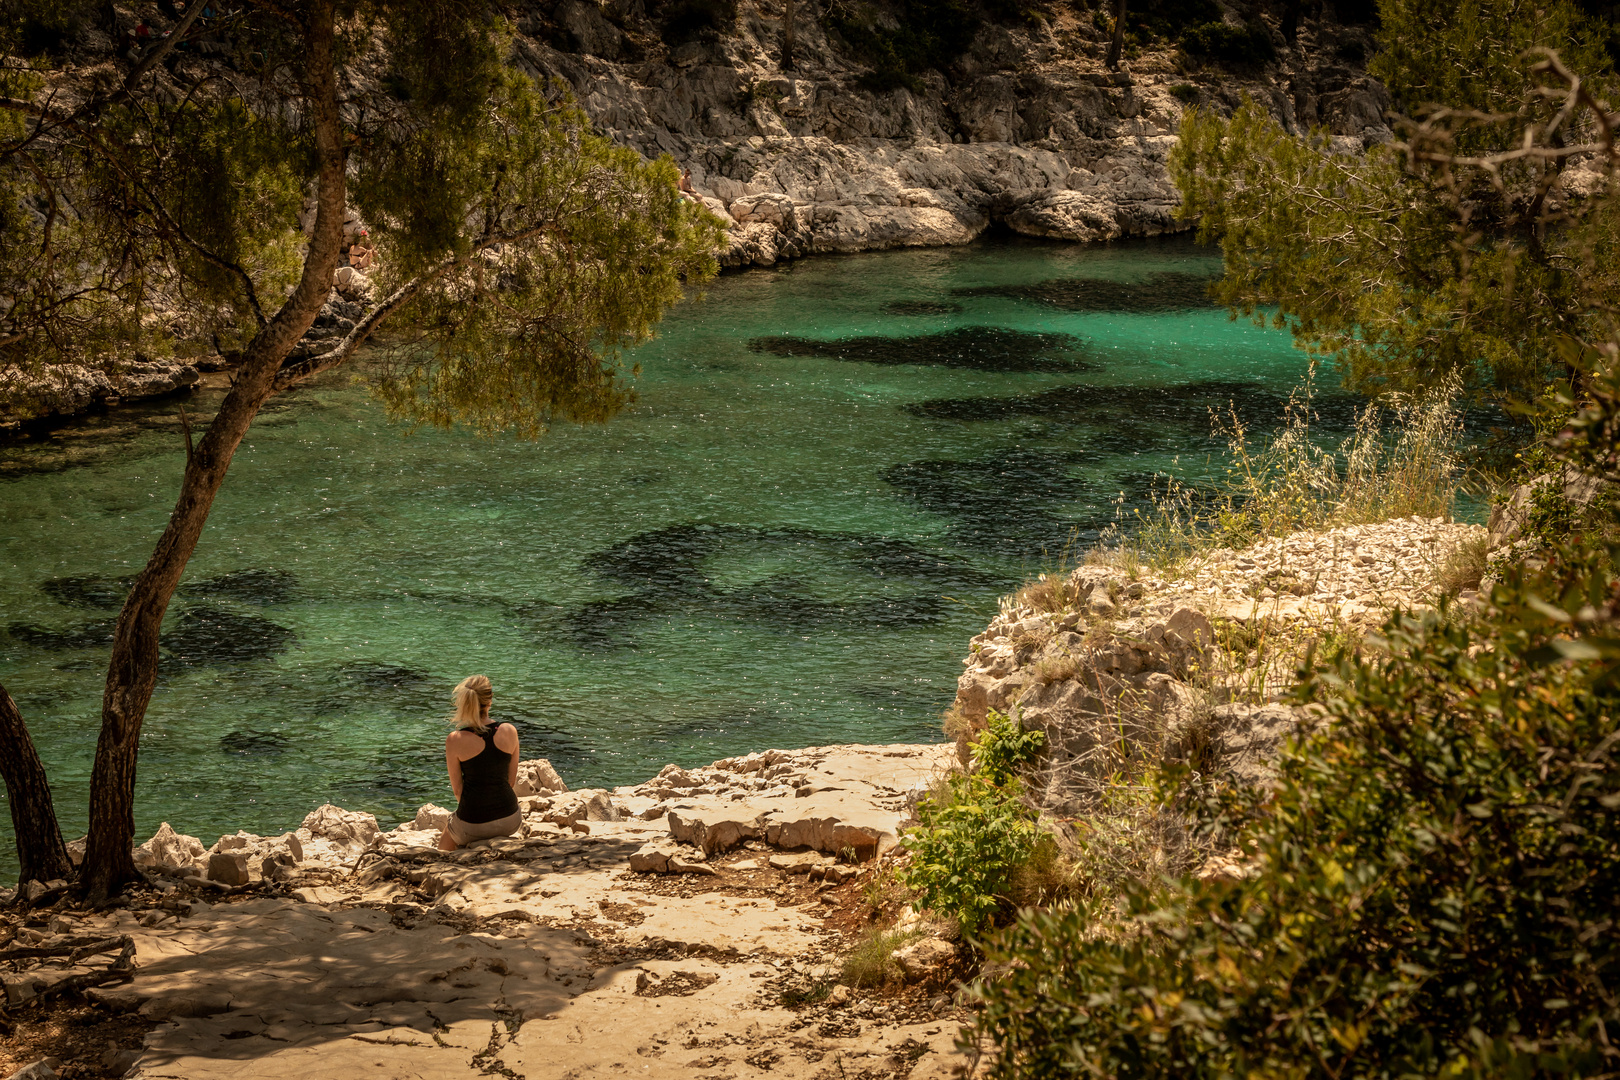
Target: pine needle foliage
[
  {"x": 590, "y": 245},
  {"x": 520, "y": 252},
  {"x": 1470, "y": 54},
  {"x": 1459, "y": 250},
  {"x": 1367, "y": 264}
]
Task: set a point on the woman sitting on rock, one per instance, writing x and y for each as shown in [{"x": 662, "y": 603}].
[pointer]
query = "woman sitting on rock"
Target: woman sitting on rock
[{"x": 482, "y": 759}]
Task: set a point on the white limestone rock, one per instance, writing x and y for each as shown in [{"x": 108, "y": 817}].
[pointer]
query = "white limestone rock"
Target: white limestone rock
[
  {"x": 662, "y": 857},
  {"x": 598, "y": 807},
  {"x": 168, "y": 850},
  {"x": 431, "y": 818},
  {"x": 537, "y": 777},
  {"x": 228, "y": 868},
  {"x": 924, "y": 958},
  {"x": 38, "y": 1070},
  {"x": 338, "y": 834}
]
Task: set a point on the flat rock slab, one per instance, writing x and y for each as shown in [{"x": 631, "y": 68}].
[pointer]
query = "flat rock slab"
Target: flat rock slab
[
  {"x": 831, "y": 821},
  {"x": 726, "y": 924},
  {"x": 851, "y": 802}
]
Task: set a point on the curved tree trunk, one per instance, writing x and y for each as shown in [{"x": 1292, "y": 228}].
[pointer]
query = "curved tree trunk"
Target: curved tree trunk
[
  {"x": 1117, "y": 46},
  {"x": 132, "y": 672},
  {"x": 33, "y": 816}
]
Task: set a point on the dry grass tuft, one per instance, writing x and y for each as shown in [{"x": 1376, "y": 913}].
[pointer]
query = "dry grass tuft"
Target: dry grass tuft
[
  {"x": 1402, "y": 459},
  {"x": 1058, "y": 669},
  {"x": 1463, "y": 568},
  {"x": 1053, "y": 592},
  {"x": 871, "y": 962}
]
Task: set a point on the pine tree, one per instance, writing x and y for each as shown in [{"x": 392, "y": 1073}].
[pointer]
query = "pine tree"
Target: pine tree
[
  {"x": 520, "y": 254},
  {"x": 1459, "y": 250}
]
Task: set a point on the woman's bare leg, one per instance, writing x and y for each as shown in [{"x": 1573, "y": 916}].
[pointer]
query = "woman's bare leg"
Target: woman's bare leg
[{"x": 447, "y": 842}]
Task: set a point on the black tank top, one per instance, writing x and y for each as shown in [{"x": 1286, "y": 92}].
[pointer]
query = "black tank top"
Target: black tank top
[{"x": 485, "y": 794}]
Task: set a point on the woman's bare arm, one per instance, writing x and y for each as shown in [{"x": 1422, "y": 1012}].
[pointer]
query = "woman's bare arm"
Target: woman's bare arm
[{"x": 452, "y": 765}]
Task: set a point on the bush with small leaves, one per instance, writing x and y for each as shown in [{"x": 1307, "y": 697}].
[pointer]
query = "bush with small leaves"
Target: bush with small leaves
[
  {"x": 1433, "y": 885},
  {"x": 972, "y": 845},
  {"x": 1222, "y": 43},
  {"x": 967, "y": 850},
  {"x": 1004, "y": 748}
]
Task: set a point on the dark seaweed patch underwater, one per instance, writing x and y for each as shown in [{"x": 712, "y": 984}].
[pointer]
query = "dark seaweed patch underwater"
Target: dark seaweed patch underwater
[
  {"x": 784, "y": 579},
  {"x": 1160, "y": 292},
  {"x": 977, "y": 348}
]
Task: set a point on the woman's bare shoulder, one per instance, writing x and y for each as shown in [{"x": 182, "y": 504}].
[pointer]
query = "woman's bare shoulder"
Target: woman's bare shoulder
[{"x": 506, "y": 736}]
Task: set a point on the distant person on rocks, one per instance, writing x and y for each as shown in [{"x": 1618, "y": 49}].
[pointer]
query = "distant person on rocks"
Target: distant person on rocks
[
  {"x": 482, "y": 759},
  {"x": 362, "y": 256}
]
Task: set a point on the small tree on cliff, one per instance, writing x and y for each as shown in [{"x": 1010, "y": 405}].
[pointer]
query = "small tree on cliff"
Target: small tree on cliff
[{"x": 520, "y": 254}]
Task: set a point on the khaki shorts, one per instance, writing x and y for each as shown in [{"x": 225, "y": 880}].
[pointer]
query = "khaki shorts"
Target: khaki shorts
[{"x": 463, "y": 832}]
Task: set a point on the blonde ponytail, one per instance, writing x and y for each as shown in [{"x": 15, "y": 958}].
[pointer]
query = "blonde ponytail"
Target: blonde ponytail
[{"x": 472, "y": 696}]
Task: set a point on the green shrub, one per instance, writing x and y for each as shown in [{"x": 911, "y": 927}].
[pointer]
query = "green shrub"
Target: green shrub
[
  {"x": 1004, "y": 748},
  {"x": 973, "y": 844},
  {"x": 1236, "y": 46},
  {"x": 46, "y": 29},
  {"x": 1186, "y": 93},
  {"x": 1434, "y": 880},
  {"x": 967, "y": 850},
  {"x": 1166, "y": 19}
]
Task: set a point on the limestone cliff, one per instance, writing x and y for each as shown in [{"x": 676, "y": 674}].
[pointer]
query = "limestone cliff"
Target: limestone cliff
[
  {"x": 1192, "y": 665},
  {"x": 1026, "y": 128}
]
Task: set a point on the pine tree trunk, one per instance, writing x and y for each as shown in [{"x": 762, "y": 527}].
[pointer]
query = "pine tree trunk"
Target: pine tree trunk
[
  {"x": 33, "y": 816},
  {"x": 1117, "y": 46},
  {"x": 787, "y": 36},
  {"x": 132, "y": 672}
]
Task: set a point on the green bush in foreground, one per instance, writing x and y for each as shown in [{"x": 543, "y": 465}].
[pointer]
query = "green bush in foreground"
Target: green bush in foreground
[
  {"x": 971, "y": 844},
  {"x": 1437, "y": 882}
]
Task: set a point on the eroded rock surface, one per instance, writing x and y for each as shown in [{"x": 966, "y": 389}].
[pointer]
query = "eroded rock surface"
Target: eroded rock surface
[
  {"x": 69, "y": 389},
  {"x": 1192, "y": 667},
  {"x": 1027, "y": 128}
]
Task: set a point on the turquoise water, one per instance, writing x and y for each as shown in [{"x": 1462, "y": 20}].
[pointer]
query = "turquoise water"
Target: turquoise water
[{"x": 833, "y": 471}]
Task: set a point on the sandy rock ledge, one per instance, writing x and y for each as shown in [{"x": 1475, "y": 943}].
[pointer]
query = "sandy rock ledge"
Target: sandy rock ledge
[{"x": 687, "y": 926}]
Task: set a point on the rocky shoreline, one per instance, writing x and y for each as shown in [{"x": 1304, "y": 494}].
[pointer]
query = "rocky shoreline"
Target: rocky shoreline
[
  {"x": 1027, "y": 130},
  {"x": 692, "y": 925},
  {"x": 1194, "y": 664}
]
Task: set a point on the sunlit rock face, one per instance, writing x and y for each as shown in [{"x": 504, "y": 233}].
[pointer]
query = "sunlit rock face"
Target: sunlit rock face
[{"x": 1026, "y": 128}]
